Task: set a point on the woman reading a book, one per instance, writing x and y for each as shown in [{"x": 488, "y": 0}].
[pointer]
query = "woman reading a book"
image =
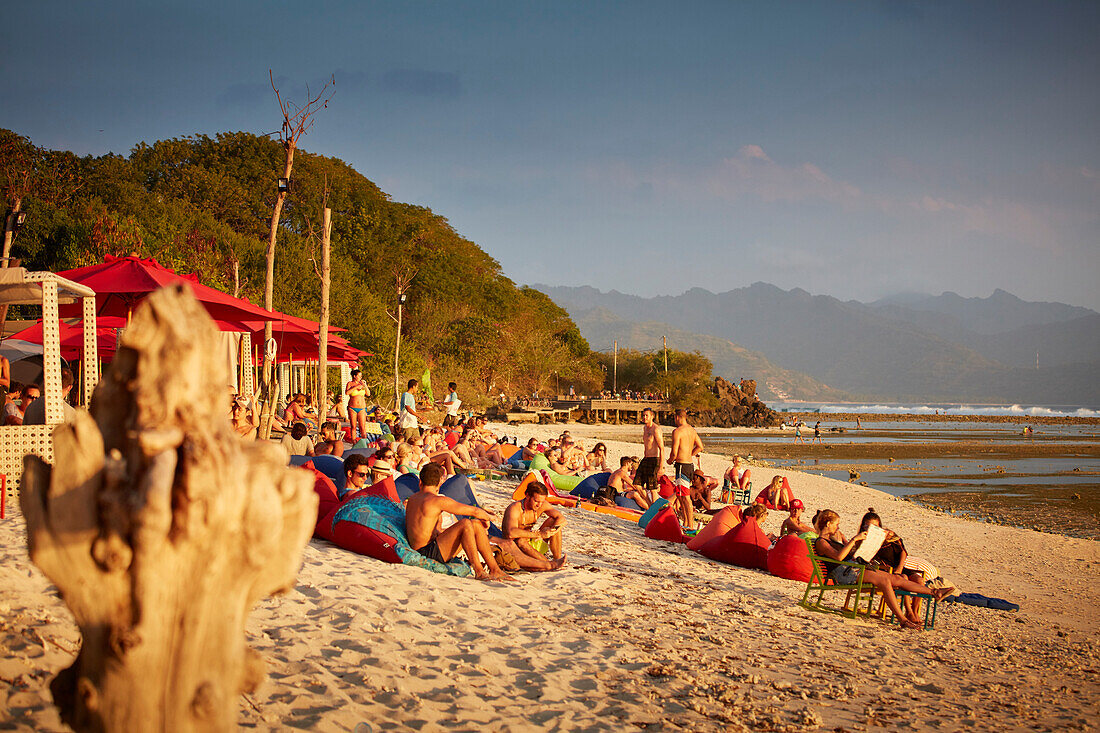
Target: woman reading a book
[{"x": 831, "y": 544}]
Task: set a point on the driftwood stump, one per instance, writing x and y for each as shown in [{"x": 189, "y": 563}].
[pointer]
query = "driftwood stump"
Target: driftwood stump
[{"x": 161, "y": 528}]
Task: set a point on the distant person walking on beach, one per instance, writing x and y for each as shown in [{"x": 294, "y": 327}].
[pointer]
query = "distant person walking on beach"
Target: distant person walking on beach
[
  {"x": 817, "y": 433},
  {"x": 798, "y": 432},
  {"x": 653, "y": 447},
  {"x": 685, "y": 446}
]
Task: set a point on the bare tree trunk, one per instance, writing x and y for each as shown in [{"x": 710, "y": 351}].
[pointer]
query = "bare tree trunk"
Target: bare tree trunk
[
  {"x": 9, "y": 228},
  {"x": 268, "y": 379},
  {"x": 236, "y": 277},
  {"x": 322, "y": 337},
  {"x": 396, "y": 361},
  {"x": 161, "y": 529}
]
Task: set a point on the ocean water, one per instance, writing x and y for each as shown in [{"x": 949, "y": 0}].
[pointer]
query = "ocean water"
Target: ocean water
[{"x": 941, "y": 408}]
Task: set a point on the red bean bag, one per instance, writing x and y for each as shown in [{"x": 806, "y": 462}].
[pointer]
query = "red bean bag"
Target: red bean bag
[
  {"x": 745, "y": 545},
  {"x": 349, "y": 434},
  {"x": 366, "y": 541},
  {"x": 790, "y": 558},
  {"x": 327, "y": 498},
  {"x": 452, "y": 439},
  {"x": 665, "y": 526},
  {"x": 384, "y": 488},
  {"x": 722, "y": 522},
  {"x": 665, "y": 487}
]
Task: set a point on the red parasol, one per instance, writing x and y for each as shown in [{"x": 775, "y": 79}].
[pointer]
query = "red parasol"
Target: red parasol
[{"x": 121, "y": 283}]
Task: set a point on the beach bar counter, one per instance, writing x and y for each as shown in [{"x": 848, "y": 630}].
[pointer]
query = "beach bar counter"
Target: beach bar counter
[{"x": 47, "y": 290}]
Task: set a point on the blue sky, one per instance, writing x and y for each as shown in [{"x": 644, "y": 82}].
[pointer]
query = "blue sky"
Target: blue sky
[{"x": 856, "y": 149}]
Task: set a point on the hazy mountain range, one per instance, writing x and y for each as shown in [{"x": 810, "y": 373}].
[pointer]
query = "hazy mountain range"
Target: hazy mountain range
[{"x": 910, "y": 347}]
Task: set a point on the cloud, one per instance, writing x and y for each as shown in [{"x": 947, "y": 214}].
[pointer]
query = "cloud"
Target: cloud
[
  {"x": 752, "y": 173},
  {"x": 422, "y": 83}
]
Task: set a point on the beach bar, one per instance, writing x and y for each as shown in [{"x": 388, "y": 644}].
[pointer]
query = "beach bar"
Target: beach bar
[{"x": 48, "y": 290}]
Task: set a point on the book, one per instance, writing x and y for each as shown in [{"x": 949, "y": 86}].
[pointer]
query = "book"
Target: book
[{"x": 869, "y": 547}]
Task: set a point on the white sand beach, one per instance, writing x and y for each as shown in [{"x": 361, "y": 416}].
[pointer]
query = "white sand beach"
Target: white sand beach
[{"x": 635, "y": 634}]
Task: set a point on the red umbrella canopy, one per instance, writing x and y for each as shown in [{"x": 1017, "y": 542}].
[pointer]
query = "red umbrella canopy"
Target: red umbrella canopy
[
  {"x": 121, "y": 283},
  {"x": 72, "y": 339}
]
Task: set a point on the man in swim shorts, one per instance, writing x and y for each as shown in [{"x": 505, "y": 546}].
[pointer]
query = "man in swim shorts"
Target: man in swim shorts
[
  {"x": 619, "y": 484},
  {"x": 519, "y": 528},
  {"x": 681, "y": 456},
  {"x": 424, "y": 522},
  {"x": 653, "y": 447}
]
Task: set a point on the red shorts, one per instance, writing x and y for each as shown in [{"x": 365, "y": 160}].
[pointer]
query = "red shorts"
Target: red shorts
[{"x": 684, "y": 472}]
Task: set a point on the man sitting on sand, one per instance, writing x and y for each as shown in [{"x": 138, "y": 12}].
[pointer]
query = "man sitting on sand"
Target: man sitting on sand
[
  {"x": 424, "y": 522},
  {"x": 620, "y": 483},
  {"x": 794, "y": 524},
  {"x": 685, "y": 446},
  {"x": 702, "y": 487},
  {"x": 519, "y": 522}
]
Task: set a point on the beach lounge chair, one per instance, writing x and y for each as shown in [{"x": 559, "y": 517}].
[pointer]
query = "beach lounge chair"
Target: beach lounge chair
[{"x": 820, "y": 582}]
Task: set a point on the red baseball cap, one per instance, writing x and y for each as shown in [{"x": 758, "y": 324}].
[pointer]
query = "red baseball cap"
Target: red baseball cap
[{"x": 796, "y": 504}]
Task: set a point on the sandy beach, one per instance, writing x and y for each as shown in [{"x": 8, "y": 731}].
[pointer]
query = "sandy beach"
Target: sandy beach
[{"x": 635, "y": 634}]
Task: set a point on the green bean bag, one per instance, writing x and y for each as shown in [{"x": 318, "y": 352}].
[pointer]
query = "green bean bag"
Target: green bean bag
[{"x": 561, "y": 483}]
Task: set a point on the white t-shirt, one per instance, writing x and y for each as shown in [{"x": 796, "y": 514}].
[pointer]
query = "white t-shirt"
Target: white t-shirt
[
  {"x": 300, "y": 447},
  {"x": 455, "y": 403},
  {"x": 408, "y": 402}
]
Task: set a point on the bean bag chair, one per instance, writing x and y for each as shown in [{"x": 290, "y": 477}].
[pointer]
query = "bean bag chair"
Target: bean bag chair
[
  {"x": 790, "y": 559},
  {"x": 406, "y": 485},
  {"x": 562, "y": 483},
  {"x": 332, "y": 467},
  {"x": 665, "y": 487},
  {"x": 451, "y": 438},
  {"x": 510, "y": 451},
  {"x": 722, "y": 522},
  {"x": 384, "y": 488},
  {"x": 665, "y": 526},
  {"x": 543, "y": 478},
  {"x": 762, "y": 497},
  {"x": 650, "y": 513},
  {"x": 327, "y": 499},
  {"x": 586, "y": 489},
  {"x": 375, "y": 527},
  {"x": 745, "y": 545}
]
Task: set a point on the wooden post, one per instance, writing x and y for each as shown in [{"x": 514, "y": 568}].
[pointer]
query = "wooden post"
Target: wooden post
[
  {"x": 615, "y": 383},
  {"x": 397, "y": 356},
  {"x": 161, "y": 529},
  {"x": 322, "y": 338}
]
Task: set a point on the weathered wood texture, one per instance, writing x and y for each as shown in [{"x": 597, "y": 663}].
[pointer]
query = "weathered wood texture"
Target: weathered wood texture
[{"x": 161, "y": 529}]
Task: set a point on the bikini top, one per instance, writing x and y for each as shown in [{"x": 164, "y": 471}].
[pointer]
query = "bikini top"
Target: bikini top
[{"x": 357, "y": 391}]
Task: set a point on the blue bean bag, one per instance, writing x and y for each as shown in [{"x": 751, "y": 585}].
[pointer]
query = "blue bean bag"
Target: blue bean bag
[
  {"x": 627, "y": 503},
  {"x": 652, "y": 512},
  {"x": 331, "y": 466},
  {"x": 587, "y": 489}
]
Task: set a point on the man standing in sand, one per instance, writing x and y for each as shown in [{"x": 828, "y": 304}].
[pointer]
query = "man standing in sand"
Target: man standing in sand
[
  {"x": 653, "y": 446},
  {"x": 685, "y": 446},
  {"x": 424, "y": 522},
  {"x": 410, "y": 418},
  {"x": 519, "y": 527},
  {"x": 451, "y": 404}
]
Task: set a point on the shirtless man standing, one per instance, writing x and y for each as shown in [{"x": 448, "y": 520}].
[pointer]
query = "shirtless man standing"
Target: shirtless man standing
[
  {"x": 685, "y": 446},
  {"x": 424, "y": 519},
  {"x": 653, "y": 445},
  {"x": 519, "y": 527}
]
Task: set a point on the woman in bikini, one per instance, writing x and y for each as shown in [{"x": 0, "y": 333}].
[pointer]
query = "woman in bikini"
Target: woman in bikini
[
  {"x": 776, "y": 495},
  {"x": 435, "y": 448},
  {"x": 245, "y": 421},
  {"x": 831, "y": 544},
  {"x": 357, "y": 392},
  {"x": 738, "y": 477}
]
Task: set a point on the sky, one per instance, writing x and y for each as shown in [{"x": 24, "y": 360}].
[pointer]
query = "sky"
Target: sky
[{"x": 855, "y": 149}]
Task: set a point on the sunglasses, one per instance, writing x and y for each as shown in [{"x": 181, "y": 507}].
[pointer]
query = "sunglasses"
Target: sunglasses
[{"x": 361, "y": 474}]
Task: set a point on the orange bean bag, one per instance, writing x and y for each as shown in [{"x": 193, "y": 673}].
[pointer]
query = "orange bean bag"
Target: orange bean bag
[
  {"x": 745, "y": 545},
  {"x": 719, "y": 524},
  {"x": 665, "y": 526},
  {"x": 790, "y": 559}
]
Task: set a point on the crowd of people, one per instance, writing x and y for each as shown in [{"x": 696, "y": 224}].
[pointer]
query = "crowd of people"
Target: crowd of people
[{"x": 405, "y": 443}]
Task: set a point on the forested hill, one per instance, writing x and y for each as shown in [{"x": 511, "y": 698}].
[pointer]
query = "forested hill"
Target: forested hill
[{"x": 199, "y": 204}]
